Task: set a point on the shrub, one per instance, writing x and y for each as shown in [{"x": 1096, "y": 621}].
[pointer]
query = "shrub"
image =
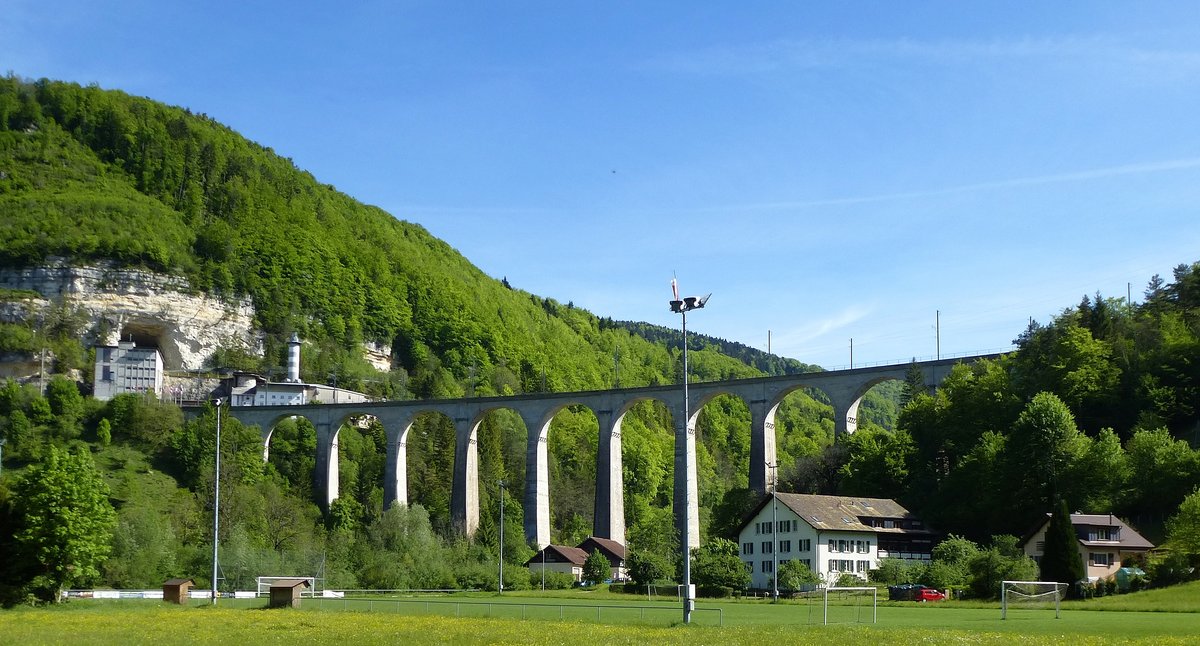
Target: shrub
[
  {"x": 714, "y": 591},
  {"x": 553, "y": 580}
]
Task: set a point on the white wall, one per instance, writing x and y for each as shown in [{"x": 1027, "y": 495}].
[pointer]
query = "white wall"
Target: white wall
[{"x": 792, "y": 543}]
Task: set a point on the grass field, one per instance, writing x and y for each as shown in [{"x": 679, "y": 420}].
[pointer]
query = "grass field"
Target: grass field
[{"x": 492, "y": 620}]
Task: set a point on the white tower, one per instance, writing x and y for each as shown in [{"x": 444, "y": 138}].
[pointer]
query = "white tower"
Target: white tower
[{"x": 293, "y": 364}]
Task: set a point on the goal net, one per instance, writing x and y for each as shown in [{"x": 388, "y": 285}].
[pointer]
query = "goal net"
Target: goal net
[
  {"x": 855, "y": 605},
  {"x": 1031, "y": 595},
  {"x": 265, "y": 582}
]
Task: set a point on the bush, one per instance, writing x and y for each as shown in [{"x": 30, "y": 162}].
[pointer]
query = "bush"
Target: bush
[
  {"x": 714, "y": 591},
  {"x": 553, "y": 580},
  {"x": 1171, "y": 569}
]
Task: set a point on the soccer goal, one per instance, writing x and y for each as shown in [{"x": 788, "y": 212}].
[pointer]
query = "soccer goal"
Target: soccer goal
[
  {"x": 851, "y": 604},
  {"x": 1032, "y": 595},
  {"x": 264, "y": 584}
]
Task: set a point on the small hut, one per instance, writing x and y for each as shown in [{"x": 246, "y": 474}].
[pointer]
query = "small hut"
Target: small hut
[
  {"x": 285, "y": 593},
  {"x": 176, "y": 590}
]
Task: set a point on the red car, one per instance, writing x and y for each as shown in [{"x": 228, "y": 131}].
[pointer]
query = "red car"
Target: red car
[{"x": 930, "y": 594}]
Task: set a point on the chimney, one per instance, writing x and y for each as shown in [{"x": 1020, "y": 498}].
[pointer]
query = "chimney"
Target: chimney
[{"x": 293, "y": 364}]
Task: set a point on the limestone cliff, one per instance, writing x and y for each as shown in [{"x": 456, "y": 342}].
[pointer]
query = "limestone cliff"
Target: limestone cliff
[{"x": 149, "y": 308}]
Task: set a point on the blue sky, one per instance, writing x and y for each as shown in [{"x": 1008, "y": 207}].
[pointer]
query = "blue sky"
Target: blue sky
[{"x": 829, "y": 171}]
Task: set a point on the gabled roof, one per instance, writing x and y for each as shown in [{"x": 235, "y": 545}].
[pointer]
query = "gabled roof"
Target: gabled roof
[
  {"x": 839, "y": 513},
  {"x": 1130, "y": 538},
  {"x": 607, "y": 546},
  {"x": 561, "y": 554}
]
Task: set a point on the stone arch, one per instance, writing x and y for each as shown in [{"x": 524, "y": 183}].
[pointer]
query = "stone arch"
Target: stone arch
[
  {"x": 327, "y": 469},
  {"x": 845, "y": 414}
]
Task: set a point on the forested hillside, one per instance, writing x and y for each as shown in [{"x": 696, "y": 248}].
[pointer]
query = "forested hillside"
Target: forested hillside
[
  {"x": 1097, "y": 407},
  {"x": 96, "y": 175}
]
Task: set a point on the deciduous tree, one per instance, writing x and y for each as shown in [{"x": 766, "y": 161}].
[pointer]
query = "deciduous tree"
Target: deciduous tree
[{"x": 66, "y": 521}]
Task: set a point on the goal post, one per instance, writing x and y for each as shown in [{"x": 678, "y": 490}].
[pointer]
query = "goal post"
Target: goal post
[
  {"x": 860, "y": 593},
  {"x": 264, "y": 584},
  {"x": 1039, "y": 594}
]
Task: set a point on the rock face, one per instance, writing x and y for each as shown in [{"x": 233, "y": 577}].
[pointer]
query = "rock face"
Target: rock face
[{"x": 149, "y": 308}]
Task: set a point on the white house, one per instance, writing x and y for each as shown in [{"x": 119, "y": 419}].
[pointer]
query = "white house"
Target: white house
[
  {"x": 126, "y": 368},
  {"x": 832, "y": 535},
  {"x": 1104, "y": 541}
]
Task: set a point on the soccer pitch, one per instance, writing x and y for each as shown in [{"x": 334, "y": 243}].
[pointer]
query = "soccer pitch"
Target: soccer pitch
[{"x": 497, "y": 622}]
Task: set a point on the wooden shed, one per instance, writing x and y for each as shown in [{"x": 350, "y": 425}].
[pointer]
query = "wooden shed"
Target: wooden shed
[
  {"x": 176, "y": 590},
  {"x": 285, "y": 593}
]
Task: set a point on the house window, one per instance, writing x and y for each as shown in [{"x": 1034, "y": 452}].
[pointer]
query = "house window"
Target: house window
[
  {"x": 766, "y": 566},
  {"x": 750, "y": 566},
  {"x": 1105, "y": 534},
  {"x": 832, "y": 545},
  {"x": 863, "y": 566},
  {"x": 843, "y": 546},
  {"x": 889, "y": 524},
  {"x": 766, "y": 547},
  {"x": 1100, "y": 558},
  {"x": 1040, "y": 546},
  {"x": 785, "y": 546},
  {"x": 804, "y": 545},
  {"x": 748, "y": 548}
]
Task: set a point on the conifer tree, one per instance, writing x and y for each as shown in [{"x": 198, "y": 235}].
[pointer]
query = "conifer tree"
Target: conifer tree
[{"x": 1060, "y": 559}]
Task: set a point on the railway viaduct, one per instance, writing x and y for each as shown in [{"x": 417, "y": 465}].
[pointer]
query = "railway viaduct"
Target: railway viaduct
[{"x": 762, "y": 395}]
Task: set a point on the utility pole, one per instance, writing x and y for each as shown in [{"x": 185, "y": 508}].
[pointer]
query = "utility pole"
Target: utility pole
[
  {"x": 774, "y": 535},
  {"x": 937, "y": 327},
  {"x": 500, "y": 578}
]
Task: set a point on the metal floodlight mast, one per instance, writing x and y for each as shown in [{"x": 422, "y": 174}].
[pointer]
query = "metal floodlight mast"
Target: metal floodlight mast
[
  {"x": 500, "y": 576},
  {"x": 682, "y": 306},
  {"x": 216, "y": 502},
  {"x": 774, "y": 535}
]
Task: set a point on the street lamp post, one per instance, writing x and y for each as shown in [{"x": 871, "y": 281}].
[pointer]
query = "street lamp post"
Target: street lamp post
[
  {"x": 216, "y": 503},
  {"x": 682, "y": 307},
  {"x": 774, "y": 536},
  {"x": 500, "y": 575}
]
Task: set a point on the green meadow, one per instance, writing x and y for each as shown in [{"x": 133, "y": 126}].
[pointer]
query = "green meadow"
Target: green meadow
[{"x": 1169, "y": 616}]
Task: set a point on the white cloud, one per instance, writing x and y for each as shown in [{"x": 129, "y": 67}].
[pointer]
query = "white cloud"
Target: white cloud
[{"x": 794, "y": 55}]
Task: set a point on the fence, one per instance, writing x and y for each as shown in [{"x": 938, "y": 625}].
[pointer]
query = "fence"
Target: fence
[
  {"x": 658, "y": 614},
  {"x": 353, "y": 600}
]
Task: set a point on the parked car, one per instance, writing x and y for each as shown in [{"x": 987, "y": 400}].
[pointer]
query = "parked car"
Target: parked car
[
  {"x": 930, "y": 594},
  {"x": 904, "y": 591},
  {"x": 914, "y": 592}
]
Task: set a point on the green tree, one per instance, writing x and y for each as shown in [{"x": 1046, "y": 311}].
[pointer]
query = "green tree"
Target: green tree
[
  {"x": 717, "y": 564},
  {"x": 104, "y": 432},
  {"x": 1039, "y": 453},
  {"x": 1000, "y": 561},
  {"x": 877, "y": 464},
  {"x": 66, "y": 522},
  {"x": 1183, "y": 529},
  {"x": 794, "y": 574},
  {"x": 647, "y": 567},
  {"x": 1060, "y": 560},
  {"x": 914, "y": 383},
  {"x": 596, "y": 569}
]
